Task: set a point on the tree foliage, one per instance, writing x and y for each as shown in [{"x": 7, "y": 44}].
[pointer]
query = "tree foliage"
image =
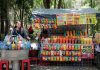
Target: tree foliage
[{"x": 22, "y": 9}]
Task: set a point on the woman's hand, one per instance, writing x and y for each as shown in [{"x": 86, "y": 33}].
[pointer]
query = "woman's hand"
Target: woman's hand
[{"x": 28, "y": 38}]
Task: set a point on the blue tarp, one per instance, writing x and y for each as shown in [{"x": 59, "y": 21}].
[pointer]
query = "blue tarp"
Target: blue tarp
[
  {"x": 51, "y": 13},
  {"x": 60, "y": 11},
  {"x": 43, "y": 16}
]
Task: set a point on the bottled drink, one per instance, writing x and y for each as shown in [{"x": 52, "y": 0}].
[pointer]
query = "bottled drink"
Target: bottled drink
[
  {"x": 13, "y": 46},
  {"x": 19, "y": 45},
  {"x": 28, "y": 45},
  {"x": 10, "y": 47}
]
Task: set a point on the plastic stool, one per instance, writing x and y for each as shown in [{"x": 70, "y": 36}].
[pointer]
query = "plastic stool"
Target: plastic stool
[
  {"x": 26, "y": 61},
  {"x": 4, "y": 62}
]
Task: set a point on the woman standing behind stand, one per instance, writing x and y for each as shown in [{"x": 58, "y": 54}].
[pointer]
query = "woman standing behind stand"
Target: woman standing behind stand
[{"x": 19, "y": 30}]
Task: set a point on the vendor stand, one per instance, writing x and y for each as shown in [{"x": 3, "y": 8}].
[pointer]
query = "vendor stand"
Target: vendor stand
[
  {"x": 15, "y": 56},
  {"x": 66, "y": 34},
  {"x": 97, "y": 49},
  {"x": 14, "y": 48}
]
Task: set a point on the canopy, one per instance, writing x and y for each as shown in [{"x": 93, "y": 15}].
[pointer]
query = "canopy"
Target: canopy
[{"x": 60, "y": 11}]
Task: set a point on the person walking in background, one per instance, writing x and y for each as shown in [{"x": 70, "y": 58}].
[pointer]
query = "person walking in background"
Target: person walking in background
[{"x": 30, "y": 30}]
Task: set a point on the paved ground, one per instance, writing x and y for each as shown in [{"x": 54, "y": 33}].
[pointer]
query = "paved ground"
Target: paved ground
[
  {"x": 35, "y": 67},
  {"x": 38, "y": 67},
  {"x": 86, "y": 65},
  {"x": 64, "y": 66}
]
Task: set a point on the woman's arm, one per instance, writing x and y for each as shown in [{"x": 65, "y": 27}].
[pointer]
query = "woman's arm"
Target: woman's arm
[{"x": 26, "y": 33}]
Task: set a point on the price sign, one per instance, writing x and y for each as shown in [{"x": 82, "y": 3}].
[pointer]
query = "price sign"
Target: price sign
[{"x": 61, "y": 19}]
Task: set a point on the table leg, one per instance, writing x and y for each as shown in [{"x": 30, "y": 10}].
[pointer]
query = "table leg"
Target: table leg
[{"x": 15, "y": 65}]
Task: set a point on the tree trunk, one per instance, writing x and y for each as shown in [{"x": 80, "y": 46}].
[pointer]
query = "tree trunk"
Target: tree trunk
[
  {"x": 59, "y": 4},
  {"x": 55, "y": 4},
  {"x": 0, "y": 23},
  {"x": 15, "y": 13},
  {"x": 91, "y": 4},
  {"x": 7, "y": 18},
  {"x": 22, "y": 16},
  {"x": 62, "y": 4},
  {"x": 14, "y": 16},
  {"x": 7, "y": 22},
  {"x": 22, "y": 12},
  {"x": 4, "y": 17},
  {"x": 46, "y": 4}
]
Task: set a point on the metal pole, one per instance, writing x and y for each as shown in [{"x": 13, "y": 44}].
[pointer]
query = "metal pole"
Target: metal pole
[{"x": 15, "y": 65}]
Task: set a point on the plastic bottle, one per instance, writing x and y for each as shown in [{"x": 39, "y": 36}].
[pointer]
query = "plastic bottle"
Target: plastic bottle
[
  {"x": 23, "y": 45},
  {"x": 1, "y": 45},
  {"x": 13, "y": 46},
  {"x": 74, "y": 33},
  {"x": 28, "y": 45},
  {"x": 4, "y": 47},
  {"x": 19, "y": 45},
  {"x": 10, "y": 47}
]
